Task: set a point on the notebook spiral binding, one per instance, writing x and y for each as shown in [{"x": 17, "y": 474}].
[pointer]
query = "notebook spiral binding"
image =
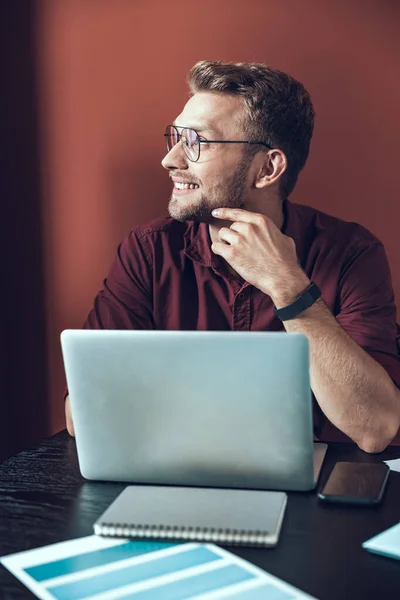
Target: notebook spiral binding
[{"x": 193, "y": 534}]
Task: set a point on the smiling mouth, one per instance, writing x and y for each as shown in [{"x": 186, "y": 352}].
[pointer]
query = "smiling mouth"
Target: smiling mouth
[{"x": 185, "y": 186}]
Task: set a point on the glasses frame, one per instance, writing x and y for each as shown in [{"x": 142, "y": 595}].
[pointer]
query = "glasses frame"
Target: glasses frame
[{"x": 203, "y": 141}]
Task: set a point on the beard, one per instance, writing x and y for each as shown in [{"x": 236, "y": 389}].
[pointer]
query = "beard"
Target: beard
[{"x": 226, "y": 193}]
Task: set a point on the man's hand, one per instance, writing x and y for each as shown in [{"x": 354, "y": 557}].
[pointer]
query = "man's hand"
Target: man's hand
[
  {"x": 260, "y": 253},
  {"x": 68, "y": 417}
]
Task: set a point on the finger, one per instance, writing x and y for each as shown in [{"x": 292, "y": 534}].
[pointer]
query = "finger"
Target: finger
[
  {"x": 220, "y": 248},
  {"x": 243, "y": 229},
  {"x": 235, "y": 214},
  {"x": 228, "y": 235}
]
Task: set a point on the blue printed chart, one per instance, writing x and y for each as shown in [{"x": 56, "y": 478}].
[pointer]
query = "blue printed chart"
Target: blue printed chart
[{"x": 96, "y": 568}]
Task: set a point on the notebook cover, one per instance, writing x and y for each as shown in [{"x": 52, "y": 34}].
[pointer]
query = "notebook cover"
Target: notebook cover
[{"x": 248, "y": 517}]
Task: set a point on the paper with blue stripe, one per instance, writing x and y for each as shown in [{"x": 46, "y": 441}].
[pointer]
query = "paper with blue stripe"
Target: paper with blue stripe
[
  {"x": 97, "y": 568},
  {"x": 96, "y": 558},
  {"x": 131, "y": 574}
]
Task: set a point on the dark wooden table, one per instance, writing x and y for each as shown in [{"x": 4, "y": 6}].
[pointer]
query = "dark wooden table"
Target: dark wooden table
[{"x": 44, "y": 499}]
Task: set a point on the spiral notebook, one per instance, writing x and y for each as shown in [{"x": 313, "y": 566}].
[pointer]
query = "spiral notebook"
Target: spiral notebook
[{"x": 225, "y": 516}]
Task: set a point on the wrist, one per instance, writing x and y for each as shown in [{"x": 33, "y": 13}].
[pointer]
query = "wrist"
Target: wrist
[
  {"x": 301, "y": 304},
  {"x": 289, "y": 289}
]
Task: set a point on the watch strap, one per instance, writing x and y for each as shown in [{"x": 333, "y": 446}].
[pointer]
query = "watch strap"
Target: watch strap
[{"x": 300, "y": 304}]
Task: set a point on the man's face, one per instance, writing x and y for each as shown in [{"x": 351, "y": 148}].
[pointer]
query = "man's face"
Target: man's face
[{"x": 220, "y": 177}]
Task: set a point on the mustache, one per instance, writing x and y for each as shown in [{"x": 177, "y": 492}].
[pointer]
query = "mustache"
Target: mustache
[{"x": 184, "y": 179}]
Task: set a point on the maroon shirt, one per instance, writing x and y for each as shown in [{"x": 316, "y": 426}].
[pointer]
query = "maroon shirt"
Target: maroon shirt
[{"x": 165, "y": 276}]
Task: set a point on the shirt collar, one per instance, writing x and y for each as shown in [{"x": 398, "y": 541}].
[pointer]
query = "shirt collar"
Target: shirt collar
[
  {"x": 198, "y": 244},
  {"x": 296, "y": 225}
]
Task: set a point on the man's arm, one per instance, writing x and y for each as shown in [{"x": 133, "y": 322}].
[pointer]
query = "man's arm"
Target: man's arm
[
  {"x": 68, "y": 417},
  {"x": 353, "y": 390}
]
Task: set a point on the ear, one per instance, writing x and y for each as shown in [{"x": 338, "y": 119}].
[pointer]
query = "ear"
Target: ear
[{"x": 271, "y": 169}]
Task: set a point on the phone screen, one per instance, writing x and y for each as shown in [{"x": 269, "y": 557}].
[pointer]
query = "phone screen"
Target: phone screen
[{"x": 356, "y": 482}]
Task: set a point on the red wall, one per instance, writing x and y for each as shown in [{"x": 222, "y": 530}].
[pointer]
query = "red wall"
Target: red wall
[{"x": 112, "y": 75}]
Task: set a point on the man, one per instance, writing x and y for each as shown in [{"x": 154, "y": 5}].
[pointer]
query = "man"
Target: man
[{"x": 235, "y": 250}]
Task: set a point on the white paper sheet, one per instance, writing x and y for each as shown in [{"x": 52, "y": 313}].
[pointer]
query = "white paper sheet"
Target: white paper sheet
[
  {"x": 98, "y": 568},
  {"x": 394, "y": 465},
  {"x": 386, "y": 543}
]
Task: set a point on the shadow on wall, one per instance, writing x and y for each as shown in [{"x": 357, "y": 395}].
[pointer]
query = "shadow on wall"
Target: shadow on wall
[{"x": 23, "y": 400}]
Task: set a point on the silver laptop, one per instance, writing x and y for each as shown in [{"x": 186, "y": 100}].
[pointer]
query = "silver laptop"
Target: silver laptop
[{"x": 223, "y": 409}]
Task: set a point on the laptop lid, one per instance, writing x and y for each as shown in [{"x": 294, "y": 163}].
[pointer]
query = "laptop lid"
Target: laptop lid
[{"x": 224, "y": 409}]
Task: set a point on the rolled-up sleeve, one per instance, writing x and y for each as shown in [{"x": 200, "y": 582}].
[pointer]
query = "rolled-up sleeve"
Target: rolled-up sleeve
[{"x": 367, "y": 306}]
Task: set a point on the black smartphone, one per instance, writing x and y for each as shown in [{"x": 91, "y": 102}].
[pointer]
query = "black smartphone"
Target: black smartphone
[{"x": 356, "y": 483}]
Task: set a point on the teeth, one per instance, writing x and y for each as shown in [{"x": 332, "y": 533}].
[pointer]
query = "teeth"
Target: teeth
[{"x": 186, "y": 186}]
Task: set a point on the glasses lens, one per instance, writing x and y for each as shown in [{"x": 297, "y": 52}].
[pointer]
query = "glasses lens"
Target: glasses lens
[
  {"x": 171, "y": 136},
  {"x": 190, "y": 142}
]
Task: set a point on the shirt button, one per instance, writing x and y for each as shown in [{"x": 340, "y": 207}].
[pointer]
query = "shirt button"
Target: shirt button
[{"x": 241, "y": 296}]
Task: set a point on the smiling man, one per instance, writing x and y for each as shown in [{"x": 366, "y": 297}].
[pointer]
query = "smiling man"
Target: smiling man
[{"x": 237, "y": 255}]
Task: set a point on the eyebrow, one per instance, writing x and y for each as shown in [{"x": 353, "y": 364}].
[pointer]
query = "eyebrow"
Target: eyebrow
[{"x": 198, "y": 128}]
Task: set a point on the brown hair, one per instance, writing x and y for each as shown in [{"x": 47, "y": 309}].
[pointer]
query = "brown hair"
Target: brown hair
[{"x": 279, "y": 110}]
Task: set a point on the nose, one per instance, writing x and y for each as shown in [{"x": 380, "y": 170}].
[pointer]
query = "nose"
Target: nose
[{"x": 175, "y": 159}]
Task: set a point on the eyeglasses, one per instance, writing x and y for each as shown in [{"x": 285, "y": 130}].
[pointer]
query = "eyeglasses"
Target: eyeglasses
[{"x": 191, "y": 141}]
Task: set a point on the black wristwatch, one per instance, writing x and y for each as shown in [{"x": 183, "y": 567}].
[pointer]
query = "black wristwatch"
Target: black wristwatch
[{"x": 301, "y": 303}]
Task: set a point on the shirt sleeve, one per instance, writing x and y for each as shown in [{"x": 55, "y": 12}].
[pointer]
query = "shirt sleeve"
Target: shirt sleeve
[
  {"x": 367, "y": 310},
  {"x": 126, "y": 300}
]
